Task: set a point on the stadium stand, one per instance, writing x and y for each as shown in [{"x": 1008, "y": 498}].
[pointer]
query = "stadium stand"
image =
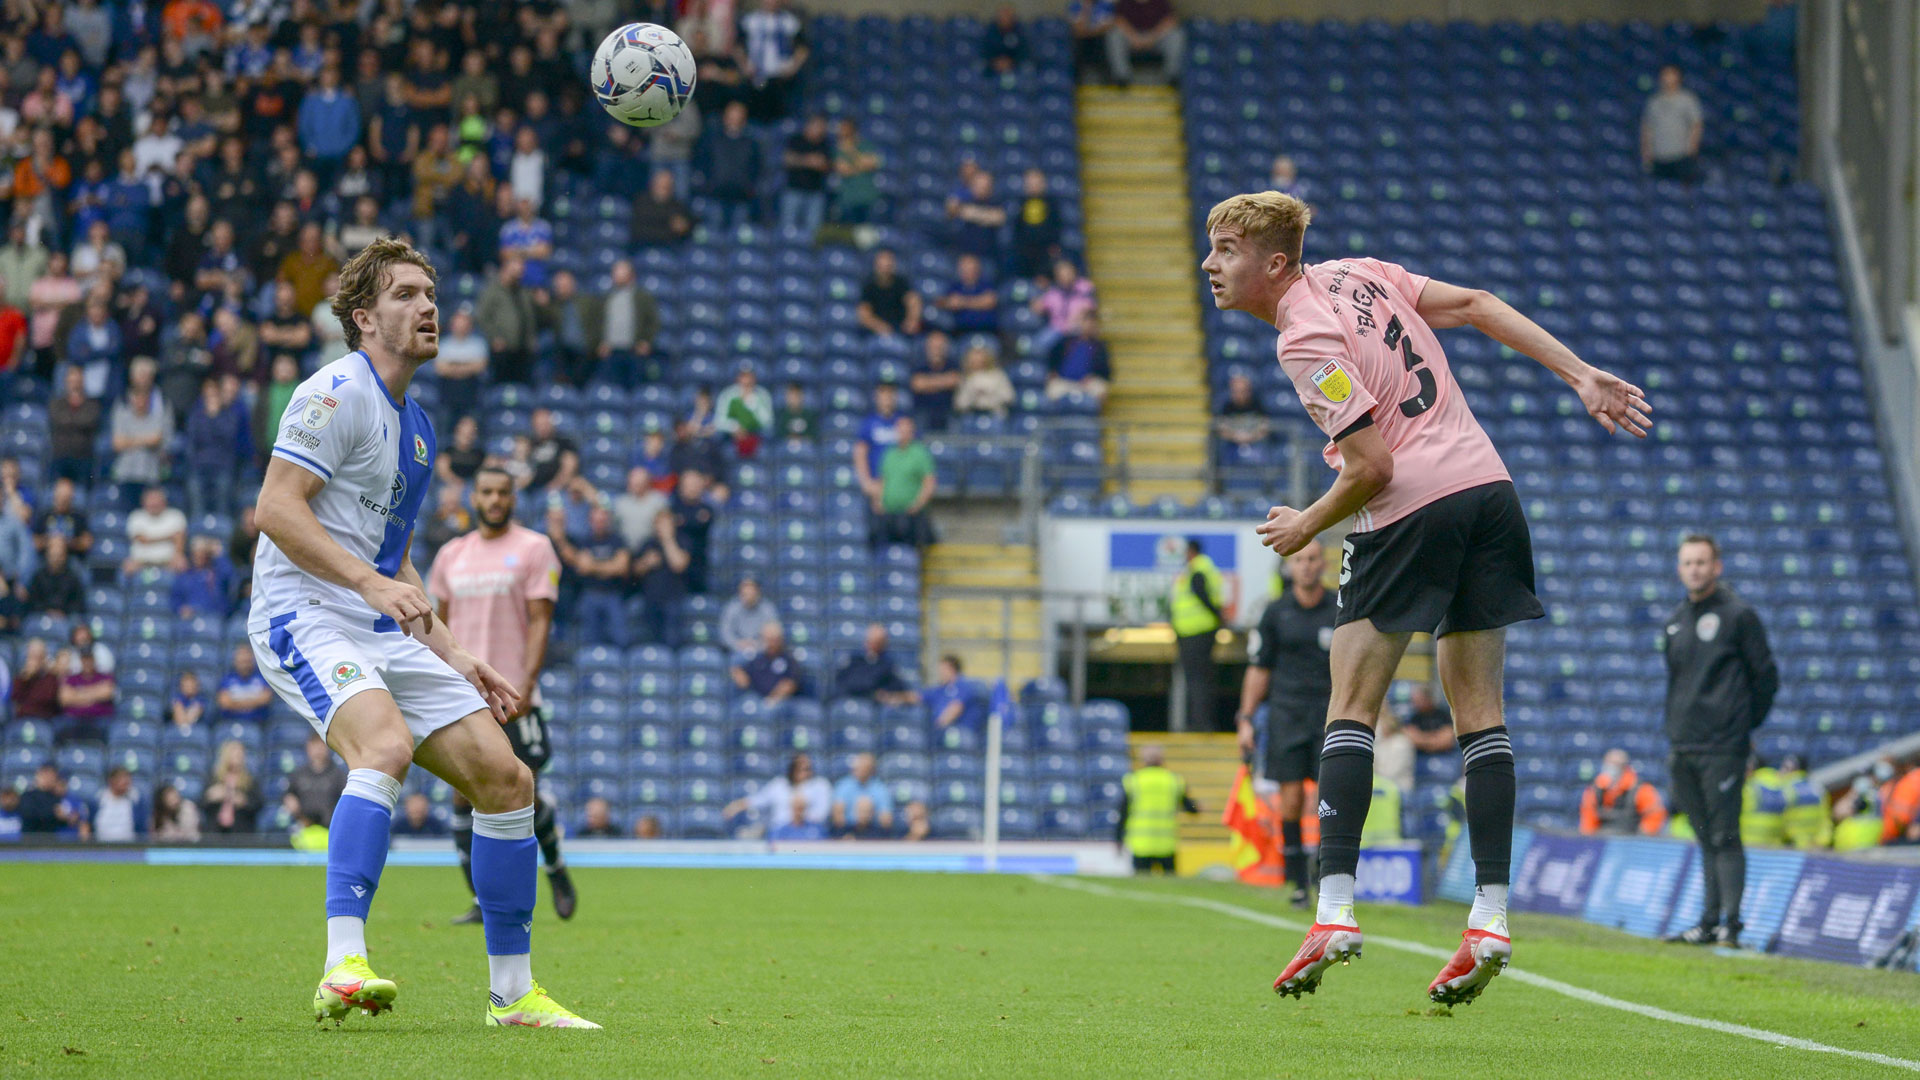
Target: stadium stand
[{"x": 648, "y": 727}]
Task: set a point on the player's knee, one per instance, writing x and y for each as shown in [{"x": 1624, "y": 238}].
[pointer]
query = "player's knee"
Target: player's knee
[
  {"x": 506, "y": 789},
  {"x": 388, "y": 754}
]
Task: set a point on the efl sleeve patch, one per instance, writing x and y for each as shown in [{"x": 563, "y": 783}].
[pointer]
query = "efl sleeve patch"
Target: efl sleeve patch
[
  {"x": 319, "y": 411},
  {"x": 1331, "y": 379}
]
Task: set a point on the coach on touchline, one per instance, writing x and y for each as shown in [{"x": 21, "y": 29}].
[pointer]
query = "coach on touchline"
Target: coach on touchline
[{"x": 1721, "y": 680}]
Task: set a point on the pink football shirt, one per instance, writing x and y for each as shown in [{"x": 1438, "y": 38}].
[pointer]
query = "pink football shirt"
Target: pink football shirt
[
  {"x": 1354, "y": 344},
  {"x": 486, "y": 585}
]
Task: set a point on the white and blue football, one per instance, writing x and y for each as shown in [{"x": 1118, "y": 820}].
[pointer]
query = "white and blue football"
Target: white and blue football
[{"x": 643, "y": 74}]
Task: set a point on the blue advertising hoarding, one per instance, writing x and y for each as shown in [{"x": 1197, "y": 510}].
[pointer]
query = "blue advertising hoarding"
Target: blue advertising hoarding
[
  {"x": 1846, "y": 911},
  {"x": 1556, "y": 873},
  {"x": 1635, "y": 885}
]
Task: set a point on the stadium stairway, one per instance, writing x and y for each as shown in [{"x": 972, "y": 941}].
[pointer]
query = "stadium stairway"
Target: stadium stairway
[
  {"x": 1134, "y": 191},
  {"x": 972, "y": 627},
  {"x": 1208, "y": 762}
]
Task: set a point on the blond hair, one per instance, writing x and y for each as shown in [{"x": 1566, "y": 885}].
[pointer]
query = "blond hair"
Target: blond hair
[
  {"x": 1275, "y": 221},
  {"x": 366, "y": 274}
]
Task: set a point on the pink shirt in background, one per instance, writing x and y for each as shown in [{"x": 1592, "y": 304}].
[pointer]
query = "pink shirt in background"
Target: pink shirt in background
[
  {"x": 1354, "y": 344},
  {"x": 486, "y": 585},
  {"x": 1063, "y": 306}
]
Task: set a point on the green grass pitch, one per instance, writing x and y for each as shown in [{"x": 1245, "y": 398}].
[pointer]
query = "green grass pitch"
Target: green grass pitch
[{"x": 147, "y": 971}]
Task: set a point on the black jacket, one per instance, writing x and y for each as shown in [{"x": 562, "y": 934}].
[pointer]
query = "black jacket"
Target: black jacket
[{"x": 1721, "y": 678}]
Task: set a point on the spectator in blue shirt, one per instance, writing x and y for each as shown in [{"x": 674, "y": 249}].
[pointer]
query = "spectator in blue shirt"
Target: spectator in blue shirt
[
  {"x": 878, "y": 432},
  {"x": 188, "y": 706},
  {"x": 956, "y": 700},
  {"x": 217, "y": 429},
  {"x": 1079, "y": 364},
  {"x": 203, "y": 587},
  {"x": 872, "y": 675},
  {"x": 532, "y": 239},
  {"x": 329, "y": 125},
  {"x": 94, "y": 344},
  {"x": 244, "y": 695},
  {"x": 862, "y": 805},
  {"x": 971, "y": 303},
  {"x": 771, "y": 673}
]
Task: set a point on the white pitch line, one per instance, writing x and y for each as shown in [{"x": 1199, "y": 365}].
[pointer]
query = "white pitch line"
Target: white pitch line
[{"x": 1578, "y": 993}]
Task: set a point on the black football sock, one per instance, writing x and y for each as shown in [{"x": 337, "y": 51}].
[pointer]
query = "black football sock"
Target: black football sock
[
  {"x": 1293, "y": 854},
  {"x": 1488, "y": 758},
  {"x": 463, "y": 843},
  {"x": 546, "y": 830},
  {"x": 1346, "y": 792}
]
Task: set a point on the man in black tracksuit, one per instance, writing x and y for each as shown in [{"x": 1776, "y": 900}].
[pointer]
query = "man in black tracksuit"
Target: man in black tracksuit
[
  {"x": 1288, "y": 668},
  {"x": 1721, "y": 680}
]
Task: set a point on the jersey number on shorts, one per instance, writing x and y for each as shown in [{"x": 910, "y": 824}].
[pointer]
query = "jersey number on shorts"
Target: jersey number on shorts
[
  {"x": 1395, "y": 335},
  {"x": 530, "y": 734}
]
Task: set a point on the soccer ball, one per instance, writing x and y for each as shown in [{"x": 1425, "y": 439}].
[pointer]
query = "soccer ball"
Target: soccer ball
[{"x": 643, "y": 74}]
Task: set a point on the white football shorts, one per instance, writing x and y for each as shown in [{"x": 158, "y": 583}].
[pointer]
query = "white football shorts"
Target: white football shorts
[{"x": 316, "y": 658}]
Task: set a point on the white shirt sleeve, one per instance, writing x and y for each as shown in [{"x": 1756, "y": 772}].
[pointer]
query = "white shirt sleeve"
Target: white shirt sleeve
[{"x": 320, "y": 428}]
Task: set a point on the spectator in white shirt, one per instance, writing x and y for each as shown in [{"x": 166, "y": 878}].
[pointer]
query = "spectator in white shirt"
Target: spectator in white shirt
[{"x": 156, "y": 535}]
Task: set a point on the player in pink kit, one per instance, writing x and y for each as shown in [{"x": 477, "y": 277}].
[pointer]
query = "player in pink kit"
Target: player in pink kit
[
  {"x": 495, "y": 588},
  {"x": 1439, "y": 544}
]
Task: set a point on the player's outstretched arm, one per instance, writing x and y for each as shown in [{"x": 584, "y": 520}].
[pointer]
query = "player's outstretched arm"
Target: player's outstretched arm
[
  {"x": 1614, "y": 402},
  {"x": 283, "y": 514}
]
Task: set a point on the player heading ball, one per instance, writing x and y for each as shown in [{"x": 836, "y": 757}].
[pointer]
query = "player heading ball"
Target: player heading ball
[
  {"x": 1439, "y": 544},
  {"x": 342, "y": 629}
]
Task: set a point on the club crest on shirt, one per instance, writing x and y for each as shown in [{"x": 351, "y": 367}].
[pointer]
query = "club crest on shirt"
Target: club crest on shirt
[
  {"x": 319, "y": 411},
  {"x": 419, "y": 449},
  {"x": 1332, "y": 381},
  {"x": 346, "y": 672},
  {"x": 1708, "y": 626}
]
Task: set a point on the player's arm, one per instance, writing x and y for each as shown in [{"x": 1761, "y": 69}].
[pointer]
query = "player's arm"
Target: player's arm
[
  {"x": 1253, "y": 691},
  {"x": 539, "y": 628},
  {"x": 1366, "y": 467},
  {"x": 284, "y": 516},
  {"x": 1611, "y": 400}
]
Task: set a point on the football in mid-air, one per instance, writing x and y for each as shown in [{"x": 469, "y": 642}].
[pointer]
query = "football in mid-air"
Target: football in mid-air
[{"x": 643, "y": 74}]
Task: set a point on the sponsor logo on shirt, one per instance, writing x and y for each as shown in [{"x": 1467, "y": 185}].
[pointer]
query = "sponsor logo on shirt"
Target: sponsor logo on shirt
[
  {"x": 346, "y": 672},
  {"x": 1331, "y": 379},
  {"x": 319, "y": 411},
  {"x": 297, "y": 433},
  {"x": 396, "y": 491}
]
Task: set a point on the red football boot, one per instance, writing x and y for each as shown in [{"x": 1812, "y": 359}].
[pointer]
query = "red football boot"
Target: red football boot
[
  {"x": 1482, "y": 955},
  {"x": 1326, "y": 944}
]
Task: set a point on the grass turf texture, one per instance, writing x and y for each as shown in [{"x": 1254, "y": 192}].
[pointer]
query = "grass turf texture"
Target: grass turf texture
[{"x": 133, "y": 970}]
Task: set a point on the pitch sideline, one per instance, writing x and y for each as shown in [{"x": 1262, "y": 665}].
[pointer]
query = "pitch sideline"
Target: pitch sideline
[{"x": 1577, "y": 993}]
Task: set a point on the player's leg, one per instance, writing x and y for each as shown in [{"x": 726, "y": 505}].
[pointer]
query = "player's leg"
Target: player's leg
[
  {"x": 324, "y": 674},
  {"x": 475, "y": 757},
  {"x": 1363, "y": 661},
  {"x": 368, "y": 733},
  {"x": 1472, "y": 667},
  {"x": 463, "y": 845},
  {"x": 1495, "y": 590}
]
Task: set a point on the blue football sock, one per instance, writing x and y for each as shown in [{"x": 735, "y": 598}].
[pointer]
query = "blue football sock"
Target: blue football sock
[
  {"x": 506, "y": 864},
  {"x": 357, "y": 840}
]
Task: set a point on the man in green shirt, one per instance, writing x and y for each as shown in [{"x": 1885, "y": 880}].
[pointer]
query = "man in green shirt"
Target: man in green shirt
[{"x": 906, "y": 486}]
